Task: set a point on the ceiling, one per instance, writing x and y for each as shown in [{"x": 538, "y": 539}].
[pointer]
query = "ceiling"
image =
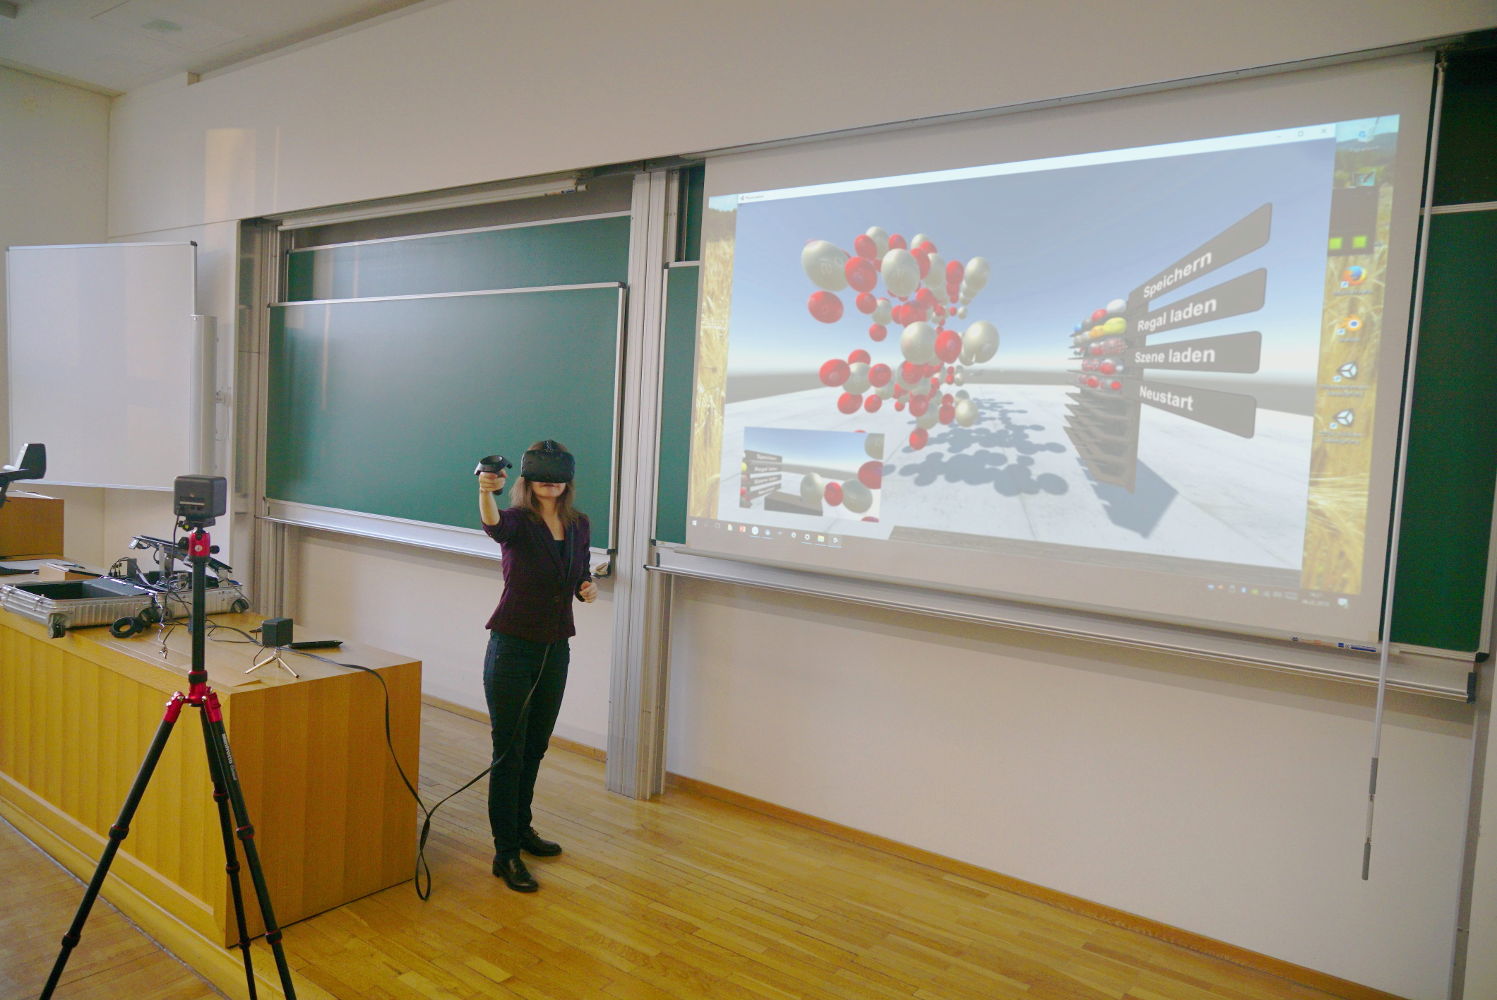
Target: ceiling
[{"x": 113, "y": 46}]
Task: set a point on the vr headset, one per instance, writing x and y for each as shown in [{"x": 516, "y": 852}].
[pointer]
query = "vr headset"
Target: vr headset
[{"x": 547, "y": 464}]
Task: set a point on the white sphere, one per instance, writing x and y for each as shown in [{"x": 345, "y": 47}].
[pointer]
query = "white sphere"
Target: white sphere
[
  {"x": 1116, "y": 306},
  {"x": 812, "y": 488},
  {"x": 901, "y": 273},
  {"x": 874, "y": 444},
  {"x": 982, "y": 337},
  {"x": 966, "y": 412},
  {"x": 976, "y": 274},
  {"x": 880, "y": 239},
  {"x": 856, "y": 497},
  {"x": 857, "y": 379},
  {"x": 882, "y": 312},
  {"x": 929, "y": 418},
  {"x": 918, "y": 343},
  {"x": 825, "y": 264}
]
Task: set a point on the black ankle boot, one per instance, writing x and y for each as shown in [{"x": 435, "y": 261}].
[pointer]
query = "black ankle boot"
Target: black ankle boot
[
  {"x": 531, "y": 843},
  {"x": 515, "y": 874}
]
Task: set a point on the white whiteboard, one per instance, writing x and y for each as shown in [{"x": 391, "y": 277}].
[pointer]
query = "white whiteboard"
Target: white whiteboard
[{"x": 107, "y": 361}]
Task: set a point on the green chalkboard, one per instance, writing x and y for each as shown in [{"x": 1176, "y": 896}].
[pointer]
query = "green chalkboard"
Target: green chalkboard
[
  {"x": 575, "y": 252},
  {"x": 675, "y": 402},
  {"x": 1465, "y": 169},
  {"x": 1451, "y": 467},
  {"x": 383, "y": 406}
]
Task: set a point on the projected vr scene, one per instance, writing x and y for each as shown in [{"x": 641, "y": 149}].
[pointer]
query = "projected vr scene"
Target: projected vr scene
[
  {"x": 823, "y": 475},
  {"x": 1159, "y": 358}
]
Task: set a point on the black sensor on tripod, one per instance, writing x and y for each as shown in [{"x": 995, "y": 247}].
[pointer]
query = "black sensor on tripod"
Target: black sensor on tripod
[{"x": 200, "y": 500}]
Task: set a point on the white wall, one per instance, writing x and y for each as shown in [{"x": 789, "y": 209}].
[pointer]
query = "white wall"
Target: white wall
[
  {"x": 1226, "y": 802},
  {"x": 469, "y": 91},
  {"x": 54, "y": 142},
  {"x": 432, "y": 606}
]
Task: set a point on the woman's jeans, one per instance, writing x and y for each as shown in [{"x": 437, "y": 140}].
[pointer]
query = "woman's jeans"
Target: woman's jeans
[{"x": 524, "y": 682}]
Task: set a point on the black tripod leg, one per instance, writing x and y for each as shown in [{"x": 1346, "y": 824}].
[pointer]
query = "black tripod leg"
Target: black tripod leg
[
  {"x": 218, "y": 743},
  {"x": 231, "y": 855},
  {"x": 117, "y": 833}
]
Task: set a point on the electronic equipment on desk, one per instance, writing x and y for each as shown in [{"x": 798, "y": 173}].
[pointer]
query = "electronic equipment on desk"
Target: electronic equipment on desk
[{"x": 172, "y": 586}]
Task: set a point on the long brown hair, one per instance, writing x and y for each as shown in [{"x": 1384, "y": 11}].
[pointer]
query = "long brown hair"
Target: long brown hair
[{"x": 526, "y": 500}]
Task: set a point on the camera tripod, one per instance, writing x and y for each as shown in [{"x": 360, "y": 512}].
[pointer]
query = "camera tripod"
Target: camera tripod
[{"x": 226, "y": 791}]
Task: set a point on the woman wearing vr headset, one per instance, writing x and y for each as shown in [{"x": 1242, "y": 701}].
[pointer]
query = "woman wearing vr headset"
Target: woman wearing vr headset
[{"x": 545, "y": 554}]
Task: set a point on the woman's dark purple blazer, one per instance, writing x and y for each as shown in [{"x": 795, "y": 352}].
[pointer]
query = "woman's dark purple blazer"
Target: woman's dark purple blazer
[{"x": 539, "y": 584}]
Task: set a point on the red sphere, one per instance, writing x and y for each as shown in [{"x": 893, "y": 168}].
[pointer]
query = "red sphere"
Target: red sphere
[
  {"x": 871, "y": 474},
  {"x": 825, "y": 306},
  {"x": 1099, "y": 315},
  {"x": 861, "y": 274},
  {"x": 926, "y": 245},
  {"x": 864, "y": 246},
  {"x": 873, "y": 402},
  {"x": 1093, "y": 382},
  {"x": 858, "y": 356},
  {"x": 946, "y": 414},
  {"x": 925, "y": 297},
  {"x": 866, "y": 303},
  {"x": 922, "y": 257},
  {"x": 948, "y": 345},
  {"x": 834, "y": 372},
  {"x": 896, "y": 242},
  {"x": 849, "y": 402},
  {"x": 877, "y": 331},
  {"x": 833, "y": 493},
  {"x": 879, "y": 375},
  {"x": 954, "y": 271},
  {"x": 919, "y": 404},
  {"x": 918, "y": 438}
]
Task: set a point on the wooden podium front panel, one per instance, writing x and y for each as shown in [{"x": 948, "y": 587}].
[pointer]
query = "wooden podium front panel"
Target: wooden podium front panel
[{"x": 332, "y": 818}]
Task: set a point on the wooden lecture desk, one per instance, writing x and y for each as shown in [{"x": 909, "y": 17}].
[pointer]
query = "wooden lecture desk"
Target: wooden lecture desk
[{"x": 333, "y": 821}]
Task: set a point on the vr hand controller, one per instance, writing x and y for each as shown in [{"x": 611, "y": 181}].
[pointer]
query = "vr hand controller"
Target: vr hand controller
[{"x": 495, "y": 464}]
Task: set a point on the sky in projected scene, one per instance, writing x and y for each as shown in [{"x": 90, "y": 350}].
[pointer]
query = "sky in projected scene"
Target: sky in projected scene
[{"x": 1060, "y": 242}]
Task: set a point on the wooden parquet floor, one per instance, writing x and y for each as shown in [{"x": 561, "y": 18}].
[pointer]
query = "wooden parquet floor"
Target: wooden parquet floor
[{"x": 681, "y": 898}]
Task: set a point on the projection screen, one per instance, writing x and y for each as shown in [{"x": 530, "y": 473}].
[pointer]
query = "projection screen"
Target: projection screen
[{"x": 1141, "y": 356}]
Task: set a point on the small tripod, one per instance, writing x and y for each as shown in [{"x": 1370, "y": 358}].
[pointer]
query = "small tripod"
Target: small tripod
[{"x": 226, "y": 789}]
